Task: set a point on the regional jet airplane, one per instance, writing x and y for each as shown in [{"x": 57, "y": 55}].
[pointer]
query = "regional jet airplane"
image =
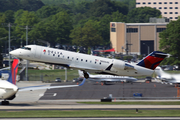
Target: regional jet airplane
[
  {"x": 167, "y": 77},
  {"x": 89, "y": 63},
  {"x": 105, "y": 79},
  {"x": 8, "y": 89}
]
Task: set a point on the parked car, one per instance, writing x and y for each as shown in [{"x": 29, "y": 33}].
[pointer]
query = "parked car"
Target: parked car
[
  {"x": 58, "y": 80},
  {"x": 148, "y": 79}
]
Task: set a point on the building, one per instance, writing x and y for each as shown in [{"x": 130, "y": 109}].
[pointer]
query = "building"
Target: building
[
  {"x": 135, "y": 38},
  {"x": 169, "y": 8}
]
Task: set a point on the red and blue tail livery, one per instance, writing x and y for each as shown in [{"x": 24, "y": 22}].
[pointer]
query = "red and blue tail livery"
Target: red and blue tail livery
[
  {"x": 13, "y": 73},
  {"x": 152, "y": 60}
]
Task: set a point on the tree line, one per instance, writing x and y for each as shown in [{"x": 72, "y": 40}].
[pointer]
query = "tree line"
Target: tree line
[{"x": 84, "y": 23}]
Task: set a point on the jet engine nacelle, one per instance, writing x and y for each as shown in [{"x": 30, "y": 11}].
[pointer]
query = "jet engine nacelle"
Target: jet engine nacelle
[{"x": 119, "y": 64}]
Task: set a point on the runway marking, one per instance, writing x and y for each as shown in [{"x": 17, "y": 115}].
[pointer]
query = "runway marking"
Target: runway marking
[{"x": 55, "y": 94}]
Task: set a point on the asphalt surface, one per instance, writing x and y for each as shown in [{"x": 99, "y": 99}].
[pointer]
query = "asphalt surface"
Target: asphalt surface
[
  {"x": 117, "y": 90},
  {"x": 67, "y": 98}
]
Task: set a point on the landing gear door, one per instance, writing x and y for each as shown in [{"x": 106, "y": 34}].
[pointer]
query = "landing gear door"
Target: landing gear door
[{"x": 38, "y": 52}]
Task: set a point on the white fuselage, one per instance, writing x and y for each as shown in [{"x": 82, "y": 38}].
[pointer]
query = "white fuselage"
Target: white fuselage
[
  {"x": 80, "y": 61},
  {"x": 7, "y": 89},
  {"x": 111, "y": 78},
  {"x": 167, "y": 77}
]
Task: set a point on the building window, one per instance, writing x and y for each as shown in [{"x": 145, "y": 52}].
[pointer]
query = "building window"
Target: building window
[
  {"x": 176, "y": 2},
  {"x": 165, "y": 12},
  {"x": 170, "y": 8},
  {"x": 170, "y": 2},
  {"x": 176, "y": 7},
  {"x": 165, "y": 7},
  {"x": 149, "y": 2},
  {"x": 138, "y": 3},
  {"x": 113, "y": 29},
  {"x": 176, "y": 17},
  {"x": 165, "y": 2},
  {"x": 170, "y": 18},
  {"x": 154, "y": 2},
  {"x": 170, "y": 12},
  {"x": 144, "y": 3},
  {"x": 160, "y": 2},
  {"x": 176, "y": 12},
  {"x": 160, "y": 7},
  {"x": 160, "y": 29},
  {"x": 131, "y": 30}
]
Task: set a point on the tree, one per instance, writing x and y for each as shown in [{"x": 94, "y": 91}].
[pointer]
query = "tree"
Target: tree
[
  {"x": 47, "y": 11},
  {"x": 56, "y": 29},
  {"x": 25, "y": 19},
  {"x": 118, "y": 17},
  {"x": 99, "y": 8},
  {"x": 9, "y": 16},
  {"x": 142, "y": 14},
  {"x": 88, "y": 35},
  {"x": 14, "y": 5},
  {"x": 170, "y": 42}
]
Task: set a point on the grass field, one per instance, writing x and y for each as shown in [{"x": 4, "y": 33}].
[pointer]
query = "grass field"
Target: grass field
[
  {"x": 88, "y": 113},
  {"x": 51, "y": 75}
]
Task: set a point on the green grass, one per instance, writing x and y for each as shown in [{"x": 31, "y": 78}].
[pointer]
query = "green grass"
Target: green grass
[
  {"x": 51, "y": 75},
  {"x": 88, "y": 113},
  {"x": 135, "y": 103}
]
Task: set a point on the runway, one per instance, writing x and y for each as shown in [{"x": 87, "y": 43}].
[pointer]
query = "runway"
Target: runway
[{"x": 73, "y": 105}]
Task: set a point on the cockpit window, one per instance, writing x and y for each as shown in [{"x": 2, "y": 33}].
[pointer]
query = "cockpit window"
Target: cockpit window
[{"x": 26, "y": 48}]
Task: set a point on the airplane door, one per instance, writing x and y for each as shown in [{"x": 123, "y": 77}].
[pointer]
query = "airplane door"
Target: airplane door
[{"x": 38, "y": 52}]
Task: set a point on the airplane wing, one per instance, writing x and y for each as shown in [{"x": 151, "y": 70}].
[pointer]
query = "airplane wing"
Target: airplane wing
[
  {"x": 5, "y": 68},
  {"x": 32, "y": 88}
]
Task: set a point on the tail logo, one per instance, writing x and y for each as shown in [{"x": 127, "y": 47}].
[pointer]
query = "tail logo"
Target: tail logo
[
  {"x": 152, "y": 60},
  {"x": 14, "y": 69}
]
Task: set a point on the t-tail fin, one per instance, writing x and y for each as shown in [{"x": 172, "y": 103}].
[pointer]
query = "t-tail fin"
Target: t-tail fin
[
  {"x": 13, "y": 73},
  {"x": 153, "y": 60}
]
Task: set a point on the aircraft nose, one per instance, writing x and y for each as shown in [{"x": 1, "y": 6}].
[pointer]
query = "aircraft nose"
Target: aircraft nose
[{"x": 14, "y": 52}]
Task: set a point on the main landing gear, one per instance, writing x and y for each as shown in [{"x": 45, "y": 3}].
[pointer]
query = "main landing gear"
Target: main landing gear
[
  {"x": 86, "y": 75},
  {"x": 4, "y": 102}
]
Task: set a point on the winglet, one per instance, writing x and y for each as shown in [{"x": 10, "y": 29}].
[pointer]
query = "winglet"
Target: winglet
[
  {"x": 82, "y": 83},
  {"x": 13, "y": 73},
  {"x": 153, "y": 60}
]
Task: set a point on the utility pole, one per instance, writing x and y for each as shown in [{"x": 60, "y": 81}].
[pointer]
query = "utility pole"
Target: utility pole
[
  {"x": 26, "y": 27},
  {"x": 127, "y": 47},
  {"x": 9, "y": 25}
]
